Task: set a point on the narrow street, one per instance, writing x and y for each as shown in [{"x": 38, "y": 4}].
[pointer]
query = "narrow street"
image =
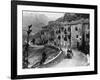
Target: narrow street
[{"x": 78, "y": 59}]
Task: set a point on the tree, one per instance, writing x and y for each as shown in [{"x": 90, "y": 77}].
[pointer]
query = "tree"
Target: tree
[{"x": 26, "y": 48}]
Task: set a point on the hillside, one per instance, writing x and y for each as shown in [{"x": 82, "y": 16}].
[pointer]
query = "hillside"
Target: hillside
[{"x": 37, "y": 21}]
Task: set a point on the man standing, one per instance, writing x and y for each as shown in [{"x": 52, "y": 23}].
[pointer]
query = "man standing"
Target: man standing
[{"x": 44, "y": 57}]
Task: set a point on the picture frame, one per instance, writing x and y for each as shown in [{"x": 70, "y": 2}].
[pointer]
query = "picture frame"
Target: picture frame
[{"x": 21, "y": 8}]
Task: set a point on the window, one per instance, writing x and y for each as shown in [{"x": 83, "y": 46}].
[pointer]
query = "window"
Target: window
[
  {"x": 65, "y": 38},
  {"x": 59, "y": 37},
  {"x": 76, "y": 36},
  {"x": 59, "y": 31},
  {"x": 87, "y": 35},
  {"x": 69, "y": 29},
  {"x": 56, "y": 32},
  {"x": 76, "y": 28},
  {"x": 65, "y": 31},
  {"x": 62, "y": 28},
  {"x": 69, "y": 37}
]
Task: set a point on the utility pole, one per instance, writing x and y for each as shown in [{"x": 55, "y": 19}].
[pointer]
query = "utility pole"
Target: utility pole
[
  {"x": 70, "y": 36},
  {"x": 27, "y": 45}
]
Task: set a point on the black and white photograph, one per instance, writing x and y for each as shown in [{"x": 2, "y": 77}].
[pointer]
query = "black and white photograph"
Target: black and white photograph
[{"x": 53, "y": 39}]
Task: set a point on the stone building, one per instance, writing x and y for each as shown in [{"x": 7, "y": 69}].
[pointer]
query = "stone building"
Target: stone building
[{"x": 74, "y": 34}]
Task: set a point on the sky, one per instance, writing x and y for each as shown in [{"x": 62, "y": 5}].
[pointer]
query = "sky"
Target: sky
[
  {"x": 51, "y": 15},
  {"x": 38, "y": 19}
]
